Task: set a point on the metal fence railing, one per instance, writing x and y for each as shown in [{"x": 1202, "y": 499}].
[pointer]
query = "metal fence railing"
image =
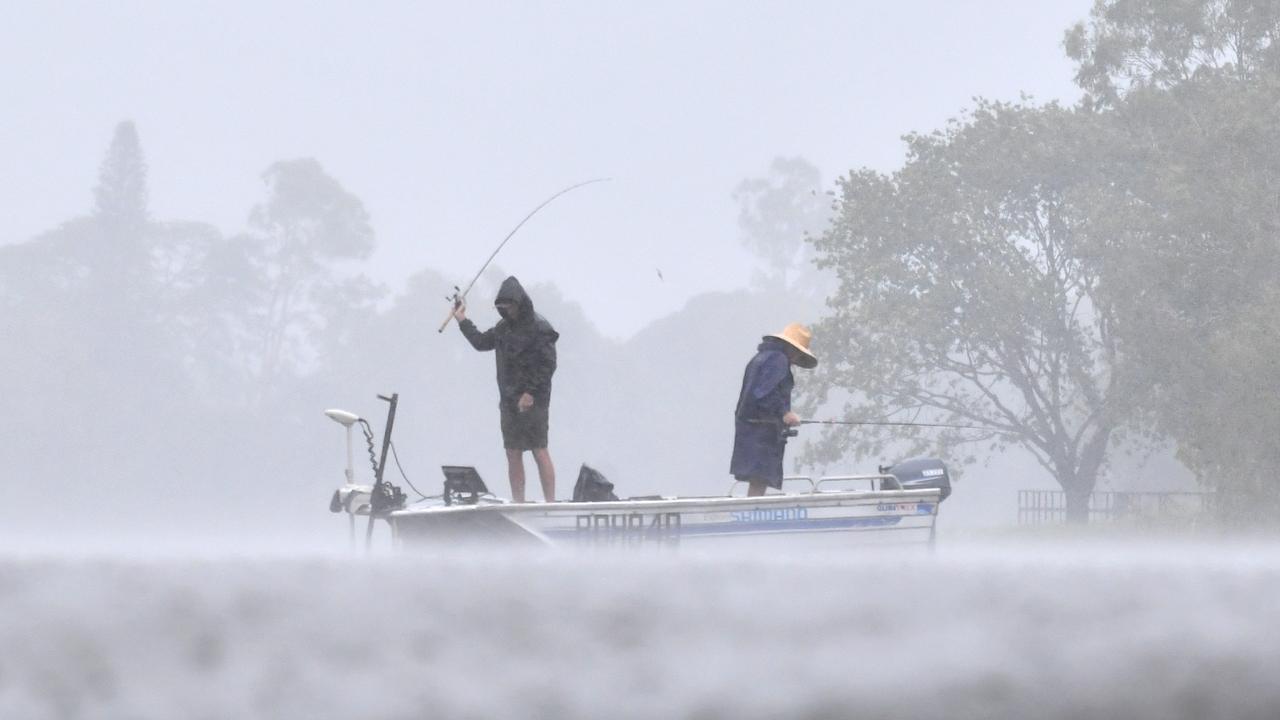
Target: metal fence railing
[{"x": 1046, "y": 507}]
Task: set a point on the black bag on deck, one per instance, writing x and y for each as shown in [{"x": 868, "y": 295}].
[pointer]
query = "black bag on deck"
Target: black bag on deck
[{"x": 592, "y": 486}]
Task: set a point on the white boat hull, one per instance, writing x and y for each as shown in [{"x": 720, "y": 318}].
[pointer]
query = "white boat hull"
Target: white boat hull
[{"x": 808, "y": 520}]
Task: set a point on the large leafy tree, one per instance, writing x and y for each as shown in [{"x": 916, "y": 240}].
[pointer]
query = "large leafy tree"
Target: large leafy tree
[
  {"x": 967, "y": 296},
  {"x": 1134, "y": 44},
  {"x": 1191, "y": 222}
]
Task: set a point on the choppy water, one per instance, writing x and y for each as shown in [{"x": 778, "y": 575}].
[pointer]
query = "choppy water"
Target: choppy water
[{"x": 995, "y": 630}]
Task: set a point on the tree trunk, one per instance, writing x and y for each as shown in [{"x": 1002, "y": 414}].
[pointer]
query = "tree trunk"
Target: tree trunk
[
  {"x": 1085, "y": 477},
  {"x": 1077, "y": 506}
]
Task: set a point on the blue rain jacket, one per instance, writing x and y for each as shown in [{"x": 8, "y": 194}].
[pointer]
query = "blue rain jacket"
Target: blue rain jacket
[{"x": 765, "y": 395}]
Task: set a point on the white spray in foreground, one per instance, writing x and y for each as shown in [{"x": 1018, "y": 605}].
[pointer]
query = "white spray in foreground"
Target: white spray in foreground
[{"x": 1087, "y": 630}]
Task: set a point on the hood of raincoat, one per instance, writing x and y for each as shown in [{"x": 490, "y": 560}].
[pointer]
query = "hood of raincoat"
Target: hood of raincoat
[{"x": 513, "y": 292}]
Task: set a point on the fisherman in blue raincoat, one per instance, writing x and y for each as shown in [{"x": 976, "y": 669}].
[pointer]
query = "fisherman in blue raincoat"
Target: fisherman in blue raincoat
[{"x": 764, "y": 408}]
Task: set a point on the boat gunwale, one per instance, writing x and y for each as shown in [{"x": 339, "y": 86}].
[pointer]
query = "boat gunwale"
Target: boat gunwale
[{"x": 825, "y": 498}]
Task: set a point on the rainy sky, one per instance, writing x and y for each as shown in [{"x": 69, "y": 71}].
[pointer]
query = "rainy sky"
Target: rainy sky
[{"x": 452, "y": 120}]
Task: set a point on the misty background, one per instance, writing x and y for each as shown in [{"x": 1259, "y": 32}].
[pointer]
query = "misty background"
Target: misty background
[
  {"x": 450, "y": 123},
  {"x": 220, "y": 221},
  {"x": 1056, "y": 221}
]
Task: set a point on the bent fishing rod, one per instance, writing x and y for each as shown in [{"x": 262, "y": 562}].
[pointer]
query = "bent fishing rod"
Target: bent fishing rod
[{"x": 459, "y": 296}]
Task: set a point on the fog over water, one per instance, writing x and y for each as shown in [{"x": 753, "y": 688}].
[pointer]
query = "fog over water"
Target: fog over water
[
  {"x": 219, "y": 220},
  {"x": 1134, "y": 630}
]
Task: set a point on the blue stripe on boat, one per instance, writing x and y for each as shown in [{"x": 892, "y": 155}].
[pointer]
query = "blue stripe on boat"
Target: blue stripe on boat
[{"x": 772, "y": 526}]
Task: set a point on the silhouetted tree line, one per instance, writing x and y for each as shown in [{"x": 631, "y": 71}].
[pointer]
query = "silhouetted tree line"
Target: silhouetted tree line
[
  {"x": 163, "y": 376},
  {"x": 135, "y": 348}
]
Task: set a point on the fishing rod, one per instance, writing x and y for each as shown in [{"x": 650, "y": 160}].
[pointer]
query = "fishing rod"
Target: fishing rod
[
  {"x": 788, "y": 431},
  {"x": 903, "y": 424},
  {"x": 459, "y": 296}
]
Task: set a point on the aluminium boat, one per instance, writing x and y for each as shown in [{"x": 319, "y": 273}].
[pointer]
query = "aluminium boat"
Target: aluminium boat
[{"x": 896, "y": 505}]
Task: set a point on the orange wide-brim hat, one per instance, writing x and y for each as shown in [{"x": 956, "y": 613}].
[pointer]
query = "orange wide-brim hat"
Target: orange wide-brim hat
[{"x": 798, "y": 337}]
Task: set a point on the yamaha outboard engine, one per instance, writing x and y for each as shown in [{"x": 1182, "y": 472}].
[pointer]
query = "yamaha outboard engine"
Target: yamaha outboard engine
[{"x": 917, "y": 474}]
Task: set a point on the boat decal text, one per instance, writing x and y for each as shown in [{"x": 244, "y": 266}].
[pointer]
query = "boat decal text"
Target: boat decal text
[
  {"x": 909, "y": 508},
  {"x": 770, "y": 514},
  {"x": 627, "y": 528}
]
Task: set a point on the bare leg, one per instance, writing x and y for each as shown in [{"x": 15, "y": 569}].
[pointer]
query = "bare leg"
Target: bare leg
[
  {"x": 546, "y": 473},
  {"x": 756, "y": 488},
  {"x": 515, "y": 473}
]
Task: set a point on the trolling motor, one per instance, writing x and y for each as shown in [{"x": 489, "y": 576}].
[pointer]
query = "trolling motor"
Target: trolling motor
[{"x": 382, "y": 497}]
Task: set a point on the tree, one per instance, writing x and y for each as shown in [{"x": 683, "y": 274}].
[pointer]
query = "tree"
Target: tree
[
  {"x": 307, "y": 227},
  {"x": 1133, "y": 44},
  {"x": 120, "y": 197},
  {"x": 92, "y": 377},
  {"x": 777, "y": 214},
  {"x": 99, "y": 265},
  {"x": 966, "y": 295},
  {"x": 1190, "y": 257},
  {"x": 123, "y": 333}
]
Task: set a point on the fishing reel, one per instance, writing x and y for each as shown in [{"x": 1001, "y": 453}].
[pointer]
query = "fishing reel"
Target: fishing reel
[
  {"x": 784, "y": 431},
  {"x": 455, "y": 302}
]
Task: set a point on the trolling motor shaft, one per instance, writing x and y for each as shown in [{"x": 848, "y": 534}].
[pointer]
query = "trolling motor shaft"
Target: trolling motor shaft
[{"x": 385, "y": 497}]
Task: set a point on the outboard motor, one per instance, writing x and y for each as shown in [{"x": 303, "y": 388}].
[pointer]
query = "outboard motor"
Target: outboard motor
[
  {"x": 916, "y": 474},
  {"x": 592, "y": 486}
]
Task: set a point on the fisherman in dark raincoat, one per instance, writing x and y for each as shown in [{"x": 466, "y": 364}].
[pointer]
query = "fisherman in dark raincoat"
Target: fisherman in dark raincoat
[
  {"x": 764, "y": 408},
  {"x": 525, "y": 351}
]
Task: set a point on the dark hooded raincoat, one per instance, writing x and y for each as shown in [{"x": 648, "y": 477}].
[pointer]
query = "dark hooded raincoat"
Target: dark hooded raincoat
[
  {"x": 765, "y": 397},
  {"x": 525, "y": 349}
]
